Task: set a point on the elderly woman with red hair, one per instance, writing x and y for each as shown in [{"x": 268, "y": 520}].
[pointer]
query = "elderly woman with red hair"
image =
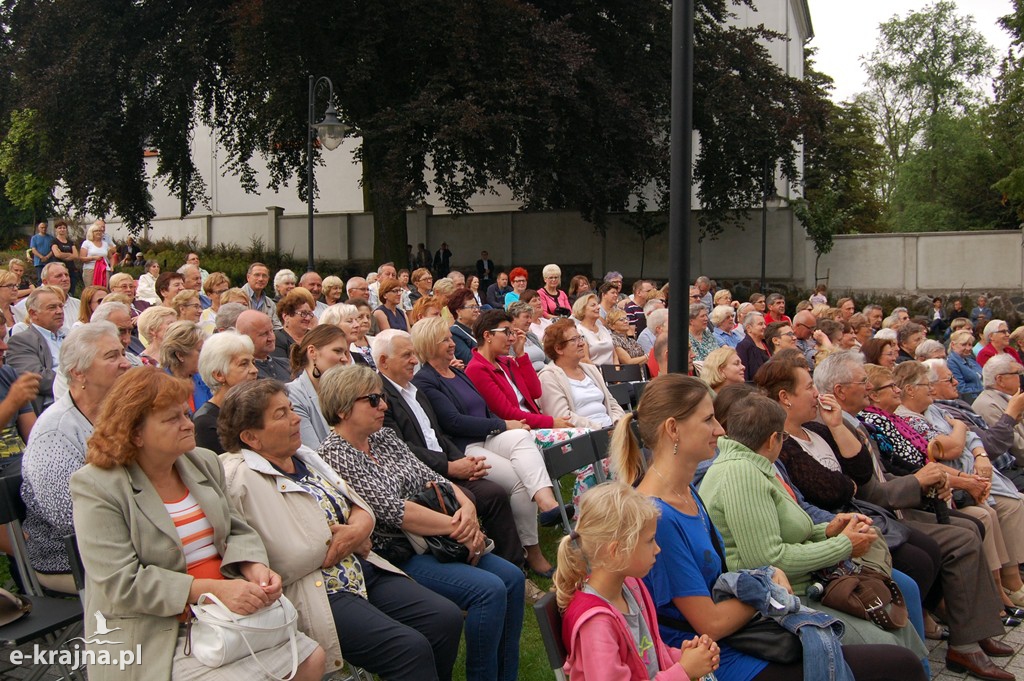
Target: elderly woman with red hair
[{"x": 518, "y": 277}]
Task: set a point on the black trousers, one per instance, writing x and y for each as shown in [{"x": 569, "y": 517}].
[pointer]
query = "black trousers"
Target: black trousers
[
  {"x": 404, "y": 631},
  {"x": 867, "y": 662},
  {"x": 920, "y": 558},
  {"x": 496, "y": 518}
]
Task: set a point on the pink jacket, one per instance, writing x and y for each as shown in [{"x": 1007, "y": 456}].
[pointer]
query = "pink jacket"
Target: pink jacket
[
  {"x": 498, "y": 394},
  {"x": 600, "y": 646}
]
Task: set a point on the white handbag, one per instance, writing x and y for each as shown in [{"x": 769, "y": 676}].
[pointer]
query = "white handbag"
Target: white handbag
[{"x": 217, "y": 636}]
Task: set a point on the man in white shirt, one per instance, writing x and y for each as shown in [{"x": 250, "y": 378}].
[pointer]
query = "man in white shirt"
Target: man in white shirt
[
  {"x": 384, "y": 272},
  {"x": 37, "y": 348},
  {"x": 312, "y": 282},
  {"x": 54, "y": 274}
]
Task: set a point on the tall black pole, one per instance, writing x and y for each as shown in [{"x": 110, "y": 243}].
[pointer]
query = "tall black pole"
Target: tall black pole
[
  {"x": 764, "y": 224},
  {"x": 680, "y": 188},
  {"x": 309, "y": 178}
]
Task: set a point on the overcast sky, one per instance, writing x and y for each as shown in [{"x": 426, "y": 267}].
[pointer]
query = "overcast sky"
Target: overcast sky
[{"x": 844, "y": 31}]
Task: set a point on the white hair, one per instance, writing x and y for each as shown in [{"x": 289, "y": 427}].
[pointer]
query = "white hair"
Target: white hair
[
  {"x": 104, "y": 310},
  {"x": 78, "y": 351},
  {"x": 933, "y": 368},
  {"x": 927, "y": 347},
  {"x": 657, "y": 318},
  {"x": 284, "y": 275},
  {"x": 991, "y": 328},
  {"x": 886, "y": 334},
  {"x": 383, "y": 343},
  {"x": 337, "y": 312},
  {"x": 720, "y": 313},
  {"x": 217, "y": 354},
  {"x": 1002, "y": 363}
]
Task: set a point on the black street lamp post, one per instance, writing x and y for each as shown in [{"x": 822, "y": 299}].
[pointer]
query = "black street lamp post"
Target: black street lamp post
[{"x": 331, "y": 133}]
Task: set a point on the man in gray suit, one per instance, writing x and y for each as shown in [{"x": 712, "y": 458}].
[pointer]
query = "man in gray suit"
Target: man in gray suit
[
  {"x": 972, "y": 602},
  {"x": 37, "y": 348}
]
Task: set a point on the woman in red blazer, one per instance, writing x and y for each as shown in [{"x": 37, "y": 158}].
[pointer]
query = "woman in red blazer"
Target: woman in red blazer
[{"x": 508, "y": 382}]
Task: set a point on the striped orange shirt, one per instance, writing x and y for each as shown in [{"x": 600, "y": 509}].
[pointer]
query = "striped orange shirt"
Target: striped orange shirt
[{"x": 201, "y": 558}]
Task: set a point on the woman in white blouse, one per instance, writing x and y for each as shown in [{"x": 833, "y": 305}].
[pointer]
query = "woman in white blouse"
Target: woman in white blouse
[
  {"x": 572, "y": 386},
  {"x": 94, "y": 248},
  {"x": 599, "y": 343}
]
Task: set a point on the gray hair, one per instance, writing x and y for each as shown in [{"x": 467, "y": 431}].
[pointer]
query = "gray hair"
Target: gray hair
[
  {"x": 284, "y": 275},
  {"x": 652, "y": 305},
  {"x": 657, "y": 318},
  {"x": 78, "y": 351},
  {"x": 341, "y": 386},
  {"x": 720, "y": 313},
  {"x": 835, "y": 369},
  {"x": 702, "y": 280},
  {"x": 384, "y": 342},
  {"x": 1001, "y": 363},
  {"x": 104, "y": 310},
  {"x": 927, "y": 347},
  {"x": 991, "y": 328},
  {"x": 751, "y": 318},
  {"x": 695, "y": 311},
  {"x": 870, "y": 307},
  {"x": 227, "y": 315},
  {"x": 218, "y": 353},
  {"x": 243, "y": 409},
  {"x": 337, "y": 312},
  {"x": 933, "y": 368},
  {"x": 518, "y": 307},
  {"x": 886, "y": 333},
  {"x": 181, "y": 337},
  {"x": 772, "y": 298},
  {"x": 50, "y": 266},
  {"x": 753, "y": 419},
  {"x": 32, "y": 302}
]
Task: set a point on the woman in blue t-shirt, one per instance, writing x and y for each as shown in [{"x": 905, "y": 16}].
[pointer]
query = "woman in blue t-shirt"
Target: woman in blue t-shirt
[{"x": 676, "y": 421}]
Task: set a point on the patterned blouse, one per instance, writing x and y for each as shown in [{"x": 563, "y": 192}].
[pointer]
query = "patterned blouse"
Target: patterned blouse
[
  {"x": 703, "y": 346},
  {"x": 385, "y": 481},
  {"x": 347, "y": 574},
  {"x": 630, "y": 345},
  {"x": 902, "y": 455}
]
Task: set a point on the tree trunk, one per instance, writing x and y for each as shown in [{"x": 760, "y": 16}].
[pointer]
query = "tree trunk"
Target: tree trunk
[{"x": 390, "y": 233}]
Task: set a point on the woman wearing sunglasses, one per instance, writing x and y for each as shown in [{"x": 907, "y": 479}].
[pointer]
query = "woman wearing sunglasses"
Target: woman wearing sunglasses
[{"x": 380, "y": 467}]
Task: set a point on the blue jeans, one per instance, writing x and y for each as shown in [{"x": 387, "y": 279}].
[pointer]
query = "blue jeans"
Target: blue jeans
[
  {"x": 915, "y": 613},
  {"x": 492, "y": 595}
]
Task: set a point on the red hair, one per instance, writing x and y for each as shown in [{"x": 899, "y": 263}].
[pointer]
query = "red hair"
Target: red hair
[{"x": 518, "y": 272}]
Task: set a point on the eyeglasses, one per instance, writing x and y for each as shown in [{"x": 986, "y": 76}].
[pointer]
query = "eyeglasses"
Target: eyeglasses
[
  {"x": 1010, "y": 373},
  {"x": 220, "y": 292},
  {"x": 359, "y": 288},
  {"x": 501, "y": 329},
  {"x": 306, "y": 315},
  {"x": 13, "y": 287},
  {"x": 578, "y": 340},
  {"x": 999, "y": 331},
  {"x": 885, "y": 387},
  {"x": 518, "y": 281},
  {"x": 192, "y": 305},
  {"x": 788, "y": 333},
  {"x": 374, "y": 399},
  {"x": 945, "y": 380},
  {"x": 471, "y": 307},
  {"x": 809, "y": 328}
]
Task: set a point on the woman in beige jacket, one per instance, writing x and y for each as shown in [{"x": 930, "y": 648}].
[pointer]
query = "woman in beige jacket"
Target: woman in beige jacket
[
  {"x": 571, "y": 386},
  {"x": 155, "y": 532},
  {"x": 317, "y": 534}
]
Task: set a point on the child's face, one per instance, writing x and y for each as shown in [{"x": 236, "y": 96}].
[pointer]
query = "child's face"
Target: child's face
[{"x": 646, "y": 550}]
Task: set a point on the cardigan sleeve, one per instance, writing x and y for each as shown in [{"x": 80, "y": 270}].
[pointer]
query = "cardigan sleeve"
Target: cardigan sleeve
[
  {"x": 747, "y": 502},
  {"x": 824, "y": 488},
  {"x": 554, "y": 400}
]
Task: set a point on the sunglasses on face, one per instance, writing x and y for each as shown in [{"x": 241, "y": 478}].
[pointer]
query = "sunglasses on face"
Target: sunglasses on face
[{"x": 374, "y": 399}]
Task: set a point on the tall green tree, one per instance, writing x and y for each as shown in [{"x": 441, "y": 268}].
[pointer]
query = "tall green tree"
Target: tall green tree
[
  {"x": 1007, "y": 124},
  {"x": 564, "y": 101},
  {"x": 927, "y": 63}
]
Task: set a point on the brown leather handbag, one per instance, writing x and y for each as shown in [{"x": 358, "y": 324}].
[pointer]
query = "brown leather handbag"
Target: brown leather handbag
[{"x": 869, "y": 595}]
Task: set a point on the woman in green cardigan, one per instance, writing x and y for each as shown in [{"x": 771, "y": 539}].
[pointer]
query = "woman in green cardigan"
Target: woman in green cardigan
[{"x": 762, "y": 524}]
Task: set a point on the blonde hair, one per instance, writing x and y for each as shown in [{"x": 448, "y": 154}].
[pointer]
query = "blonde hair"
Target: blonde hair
[
  {"x": 610, "y": 512},
  {"x": 961, "y": 336},
  {"x": 713, "y": 365},
  {"x": 426, "y": 335},
  {"x": 667, "y": 396},
  {"x": 235, "y": 295}
]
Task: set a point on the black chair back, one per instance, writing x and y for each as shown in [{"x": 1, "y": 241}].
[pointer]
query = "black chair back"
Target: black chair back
[
  {"x": 621, "y": 373},
  {"x": 550, "y": 622}
]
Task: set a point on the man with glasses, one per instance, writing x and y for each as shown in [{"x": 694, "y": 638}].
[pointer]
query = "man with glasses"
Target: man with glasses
[
  {"x": 356, "y": 287},
  {"x": 964, "y": 582},
  {"x": 997, "y": 426},
  {"x": 808, "y": 337},
  {"x": 1001, "y": 399}
]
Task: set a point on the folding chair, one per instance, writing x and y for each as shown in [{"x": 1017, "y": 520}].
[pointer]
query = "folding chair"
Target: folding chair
[
  {"x": 562, "y": 458},
  {"x": 621, "y": 373},
  {"x": 622, "y": 393},
  {"x": 52, "y": 620},
  {"x": 602, "y": 441},
  {"x": 638, "y": 390},
  {"x": 550, "y": 622}
]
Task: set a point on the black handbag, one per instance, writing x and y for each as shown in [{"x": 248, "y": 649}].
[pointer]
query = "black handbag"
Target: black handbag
[
  {"x": 761, "y": 637},
  {"x": 440, "y": 498}
]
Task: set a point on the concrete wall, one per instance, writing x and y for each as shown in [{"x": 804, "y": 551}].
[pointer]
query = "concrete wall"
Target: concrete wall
[{"x": 927, "y": 262}]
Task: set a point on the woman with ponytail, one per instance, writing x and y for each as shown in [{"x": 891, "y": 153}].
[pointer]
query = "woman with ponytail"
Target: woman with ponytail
[
  {"x": 676, "y": 422},
  {"x": 323, "y": 347},
  {"x": 610, "y": 624}
]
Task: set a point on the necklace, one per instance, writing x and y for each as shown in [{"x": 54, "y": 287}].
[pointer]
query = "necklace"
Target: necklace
[{"x": 673, "y": 490}]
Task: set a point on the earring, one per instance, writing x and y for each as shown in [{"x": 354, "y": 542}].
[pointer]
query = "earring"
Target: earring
[
  {"x": 316, "y": 371},
  {"x": 675, "y": 447}
]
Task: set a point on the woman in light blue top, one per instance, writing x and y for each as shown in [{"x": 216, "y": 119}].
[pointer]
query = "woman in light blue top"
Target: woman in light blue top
[
  {"x": 324, "y": 347},
  {"x": 965, "y": 368}
]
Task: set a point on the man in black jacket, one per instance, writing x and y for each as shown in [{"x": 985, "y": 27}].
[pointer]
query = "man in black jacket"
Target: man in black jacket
[{"x": 410, "y": 415}]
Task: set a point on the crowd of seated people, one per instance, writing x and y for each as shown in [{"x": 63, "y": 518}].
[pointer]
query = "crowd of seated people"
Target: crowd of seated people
[{"x": 296, "y": 417}]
